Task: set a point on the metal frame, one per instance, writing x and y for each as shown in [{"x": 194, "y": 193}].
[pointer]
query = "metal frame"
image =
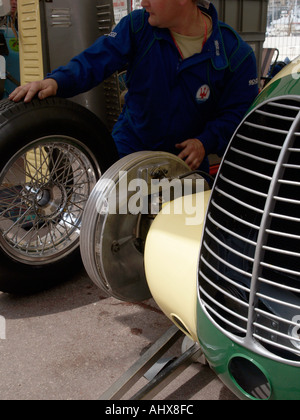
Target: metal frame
[{"x": 148, "y": 360}]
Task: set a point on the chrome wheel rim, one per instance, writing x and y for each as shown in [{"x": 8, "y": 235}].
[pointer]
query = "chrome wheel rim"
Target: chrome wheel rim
[
  {"x": 43, "y": 192},
  {"x": 112, "y": 242}
]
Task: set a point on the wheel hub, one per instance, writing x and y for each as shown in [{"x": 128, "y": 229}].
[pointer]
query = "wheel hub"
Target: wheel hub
[{"x": 50, "y": 201}]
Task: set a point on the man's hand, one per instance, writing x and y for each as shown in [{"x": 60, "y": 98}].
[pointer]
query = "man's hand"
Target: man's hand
[
  {"x": 43, "y": 88},
  {"x": 193, "y": 152}
]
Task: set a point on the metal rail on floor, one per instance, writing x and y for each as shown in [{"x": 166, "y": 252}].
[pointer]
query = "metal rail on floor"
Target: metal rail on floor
[{"x": 148, "y": 360}]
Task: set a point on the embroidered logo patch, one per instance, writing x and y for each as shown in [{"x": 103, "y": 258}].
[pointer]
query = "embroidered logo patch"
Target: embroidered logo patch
[{"x": 203, "y": 94}]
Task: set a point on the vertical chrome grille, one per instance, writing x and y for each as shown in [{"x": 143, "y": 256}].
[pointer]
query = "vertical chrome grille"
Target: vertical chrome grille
[{"x": 249, "y": 275}]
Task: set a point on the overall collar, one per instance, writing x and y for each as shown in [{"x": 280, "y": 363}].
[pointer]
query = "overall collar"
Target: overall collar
[{"x": 214, "y": 47}]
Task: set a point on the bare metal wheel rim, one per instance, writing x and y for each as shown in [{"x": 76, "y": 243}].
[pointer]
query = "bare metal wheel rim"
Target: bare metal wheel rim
[
  {"x": 43, "y": 191},
  {"x": 112, "y": 242}
]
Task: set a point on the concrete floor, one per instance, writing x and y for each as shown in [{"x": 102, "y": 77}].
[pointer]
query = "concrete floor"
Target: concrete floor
[{"x": 72, "y": 343}]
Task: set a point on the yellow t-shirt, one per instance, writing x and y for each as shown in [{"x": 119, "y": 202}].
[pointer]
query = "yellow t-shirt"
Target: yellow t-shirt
[{"x": 190, "y": 45}]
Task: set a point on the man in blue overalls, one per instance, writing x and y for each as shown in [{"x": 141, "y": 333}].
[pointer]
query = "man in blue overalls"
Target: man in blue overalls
[{"x": 190, "y": 79}]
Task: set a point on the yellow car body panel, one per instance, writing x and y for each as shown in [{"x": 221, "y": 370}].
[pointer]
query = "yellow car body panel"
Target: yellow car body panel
[{"x": 171, "y": 260}]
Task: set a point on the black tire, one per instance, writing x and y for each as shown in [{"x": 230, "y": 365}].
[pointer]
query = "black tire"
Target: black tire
[{"x": 52, "y": 153}]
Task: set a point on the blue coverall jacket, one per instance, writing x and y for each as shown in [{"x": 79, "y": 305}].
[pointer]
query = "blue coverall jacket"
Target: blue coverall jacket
[{"x": 169, "y": 99}]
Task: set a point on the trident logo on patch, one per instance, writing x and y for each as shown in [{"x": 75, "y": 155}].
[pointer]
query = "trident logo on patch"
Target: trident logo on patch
[{"x": 203, "y": 94}]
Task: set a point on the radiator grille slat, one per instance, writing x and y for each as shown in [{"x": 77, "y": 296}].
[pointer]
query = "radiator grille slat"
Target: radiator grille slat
[
  {"x": 249, "y": 171},
  {"x": 224, "y": 308},
  {"x": 279, "y": 285},
  {"x": 243, "y": 187},
  {"x": 255, "y": 157},
  {"x": 234, "y": 234},
  {"x": 258, "y": 142},
  {"x": 232, "y": 216},
  {"x": 249, "y": 274}
]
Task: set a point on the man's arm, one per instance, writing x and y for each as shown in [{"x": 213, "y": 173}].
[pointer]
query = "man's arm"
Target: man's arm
[{"x": 86, "y": 70}]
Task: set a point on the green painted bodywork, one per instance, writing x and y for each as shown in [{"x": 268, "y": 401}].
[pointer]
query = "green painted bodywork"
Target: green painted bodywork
[
  {"x": 281, "y": 87},
  {"x": 287, "y": 82},
  {"x": 284, "y": 379}
]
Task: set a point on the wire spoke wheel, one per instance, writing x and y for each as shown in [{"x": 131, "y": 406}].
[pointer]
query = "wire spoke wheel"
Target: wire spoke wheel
[
  {"x": 52, "y": 154},
  {"x": 43, "y": 192}
]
